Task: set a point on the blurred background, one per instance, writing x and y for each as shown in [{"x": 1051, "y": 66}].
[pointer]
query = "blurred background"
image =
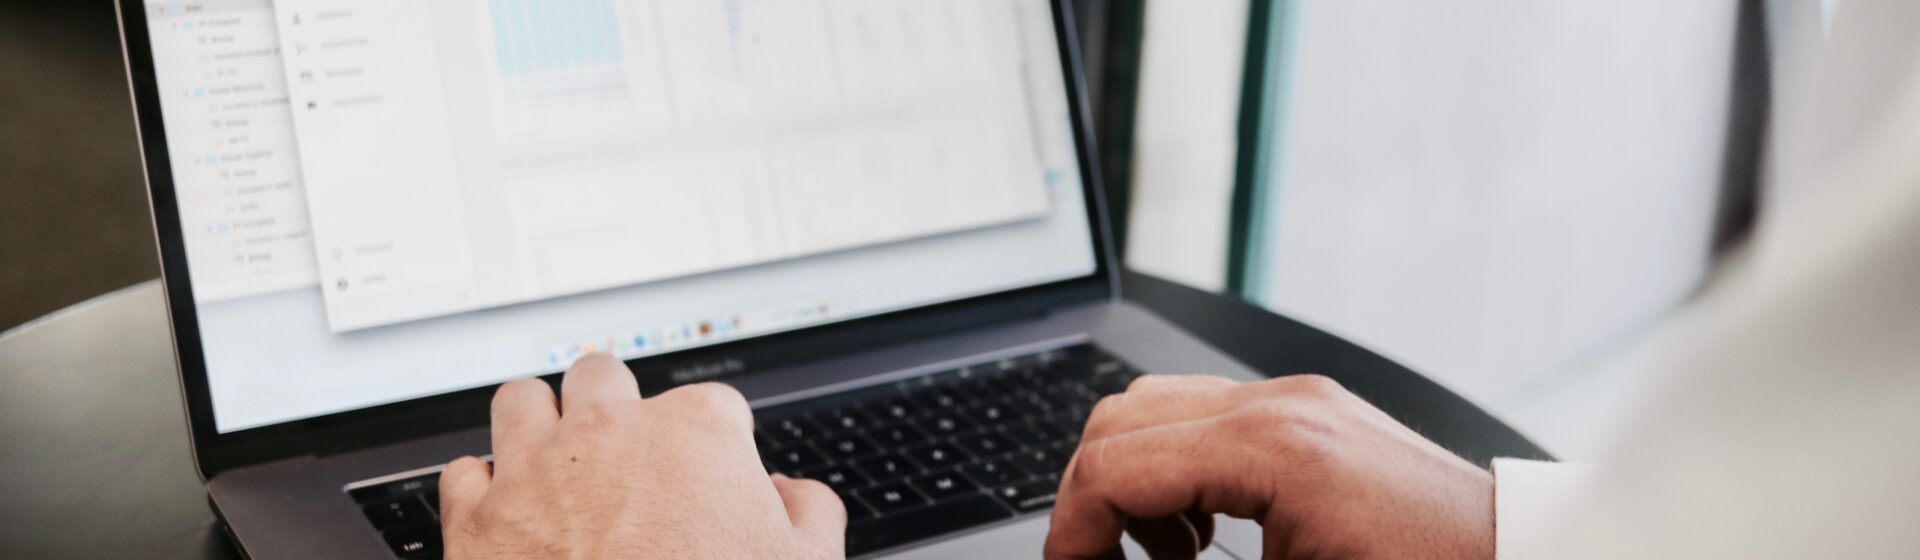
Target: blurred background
[
  {"x": 73, "y": 203},
  {"x": 1507, "y": 195}
]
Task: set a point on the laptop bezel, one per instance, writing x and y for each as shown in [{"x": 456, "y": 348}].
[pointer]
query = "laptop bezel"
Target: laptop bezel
[{"x": 215, "y": 452}]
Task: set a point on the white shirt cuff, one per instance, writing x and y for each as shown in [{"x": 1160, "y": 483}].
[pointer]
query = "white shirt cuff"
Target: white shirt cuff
[{"x": 1528, "y": 497}]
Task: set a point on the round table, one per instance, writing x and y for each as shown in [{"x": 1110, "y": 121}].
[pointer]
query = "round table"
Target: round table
[{"x": 93, "y": 444}]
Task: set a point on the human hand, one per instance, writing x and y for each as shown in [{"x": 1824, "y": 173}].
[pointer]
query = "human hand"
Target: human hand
[
  {"x": 612, "y": 476},
  {"x": 1324, "y": 473}
]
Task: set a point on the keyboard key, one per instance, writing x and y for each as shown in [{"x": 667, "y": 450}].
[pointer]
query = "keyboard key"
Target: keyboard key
[
  {"x": 845, "y": 420},
  {"x": 395, "y": 489},
  {"x": 944, "y": 485},
  {"x": 1033, "y": 377},
  {"x": 987, "y": 444},
  {"x": 1030, "y": 496},
  {"x": 953, "y": 377},
  {"x": 794, "y": 459},
  {"x": 889, "y": 498},
  {"x": 916, "y": 384},
  {"x": 432, "y": 498},
  {"x": 982, "y": 387},
  {"x": 1108, "y": 385},
  {"x": 848, "y": 447},
  {"x": 1043, "y": 461},
  {"x": 972, "y": 374},
  {"x": 937, "y": 455},
  {"x": 992, "y": 414},
  {"x": 1038, "y": 434},
  {"x": 888, "y": 532},
  {"x": 789, "y": 430},
  {"x": 838, "y": 477},
  {"x": 945, "y": 425},
  {"x": 1015, "y": 363},
  {"x": 1110, "y": 377},
  {"x": 994, "y": 472},
  {"x": 857, "y": 510},
  {"x": 1033, "y": 404},
  {"x": 416, "y": 541},
  {"x": 899, "y": 435},
  {"x": 1072, "y": 395},
  {"x": 398, "y": 512},
  {"x": 886, "y": 467},
  {"x": 1070, "y": 424},
  {"x": 892, "y": 409},
  {"x": 939, "y": 400},
  {"x": 1057, "y": 356}
]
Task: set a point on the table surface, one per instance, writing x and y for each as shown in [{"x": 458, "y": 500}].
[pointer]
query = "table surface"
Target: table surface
[{"x": 93, "y": 445}]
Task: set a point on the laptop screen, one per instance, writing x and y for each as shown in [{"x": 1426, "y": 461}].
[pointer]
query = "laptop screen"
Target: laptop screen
[{"x": 382, "y": 201}]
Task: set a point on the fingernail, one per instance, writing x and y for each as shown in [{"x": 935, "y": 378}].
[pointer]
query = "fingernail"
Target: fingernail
[{"x": 779, "y": 476}]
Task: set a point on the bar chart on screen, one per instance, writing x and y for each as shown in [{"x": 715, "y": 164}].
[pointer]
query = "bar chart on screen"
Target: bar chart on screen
[{"x": 558, "y": 52}]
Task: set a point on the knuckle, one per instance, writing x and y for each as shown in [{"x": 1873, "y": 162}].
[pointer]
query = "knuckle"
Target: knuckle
[
  {"x": 1104, "y": 407},
  {"x": 1085, "y": 467},
  {"x": 523, "y": 394},
  {"x": 1263, "y": 421},
  {"x": 458, "y": 468},
  {"x": 594, "y": 415},
  {"x": 1252, "y": 422},
  {"x": 1144, "y": 381},
  {"x": 1278, "y": 427},
  {"x": 519, "y": 390},
  {"x": 1315, "y": 384},
  {"x": 712, "y": 401},
  {"x": 1104, "y": 412},
  {"x": 591, "y": 361},
  {"x": 454, "y": 471},
  {"x": 715, "y": 398}
]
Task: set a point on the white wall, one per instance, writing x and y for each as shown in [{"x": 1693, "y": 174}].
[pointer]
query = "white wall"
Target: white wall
[
  {"x": 1488, "y": 190},
  {"x": 1506, "y": 195}
]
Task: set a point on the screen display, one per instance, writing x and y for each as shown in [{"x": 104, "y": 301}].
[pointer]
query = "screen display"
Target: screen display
[{"x": 385, "y": 200}]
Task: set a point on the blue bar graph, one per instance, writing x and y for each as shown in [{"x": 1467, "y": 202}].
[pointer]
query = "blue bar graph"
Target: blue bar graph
[{"x": 558, "y": 51}]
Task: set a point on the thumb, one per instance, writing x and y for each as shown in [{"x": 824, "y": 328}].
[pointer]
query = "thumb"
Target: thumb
[
  {"x": 462, "y": 484},
  {"x": 816, "y": 512}
]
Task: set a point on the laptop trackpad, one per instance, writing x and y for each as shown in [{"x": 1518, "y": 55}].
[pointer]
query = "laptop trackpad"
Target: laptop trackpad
[{"x": 1235, "y": 539}]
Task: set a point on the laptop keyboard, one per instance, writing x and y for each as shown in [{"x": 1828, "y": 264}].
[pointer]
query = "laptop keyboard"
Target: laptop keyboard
[{"x": 912, "y": 460}]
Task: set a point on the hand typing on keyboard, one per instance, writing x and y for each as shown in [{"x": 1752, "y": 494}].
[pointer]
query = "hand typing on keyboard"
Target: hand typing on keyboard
[
  {"x": 1326, "y": 474},
  {"x": 604, "y": 474}
]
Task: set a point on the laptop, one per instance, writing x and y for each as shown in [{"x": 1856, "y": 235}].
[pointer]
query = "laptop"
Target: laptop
[{"x": 880, "y": 220}]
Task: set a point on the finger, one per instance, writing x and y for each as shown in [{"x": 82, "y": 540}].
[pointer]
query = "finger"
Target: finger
[
  {"x": 524, "y": 413},
  {"x": 1129, "y": 411},
  {"x": 1165, "y": 538},
  {"x": 462, "y": 484},
  {"x": 1155, "y": 473},
  {"x": 597, "y": 379},
  {"x": 816, "y": 512},
  {"x": 1183, "y": 398},
  {"x": 713, "y": 416},
  {"x": 1151, "y": 382}
]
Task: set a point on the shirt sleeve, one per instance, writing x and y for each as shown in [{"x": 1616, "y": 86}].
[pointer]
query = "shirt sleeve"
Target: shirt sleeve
[{"x": 1528, "y": 497}]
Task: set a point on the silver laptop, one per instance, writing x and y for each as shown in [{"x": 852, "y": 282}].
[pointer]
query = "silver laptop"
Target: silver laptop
[{"x": 880, "y": 220}]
